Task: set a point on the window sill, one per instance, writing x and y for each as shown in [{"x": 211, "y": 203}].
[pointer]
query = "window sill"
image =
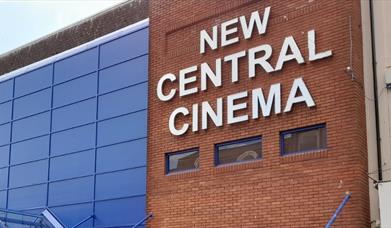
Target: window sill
[
  {"x": 183, "y": 174},
  {"x": 315, "y": 154},
  {"x": 238, "y": 166}
]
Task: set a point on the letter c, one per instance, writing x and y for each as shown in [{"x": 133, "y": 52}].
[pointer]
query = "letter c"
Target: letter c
[
  {"x": 171, "y": 123},
  {"x": 159, "y": 88}
]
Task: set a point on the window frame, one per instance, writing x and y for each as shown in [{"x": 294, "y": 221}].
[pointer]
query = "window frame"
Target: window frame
[
  {"x": 298, "y": 130},
  {"x": 167, "y": 160},
  {"x": 233, "y": 142}
]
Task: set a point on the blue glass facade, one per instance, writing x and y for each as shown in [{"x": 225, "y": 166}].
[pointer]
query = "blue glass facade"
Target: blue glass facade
[{"x": 73, "y": 135}]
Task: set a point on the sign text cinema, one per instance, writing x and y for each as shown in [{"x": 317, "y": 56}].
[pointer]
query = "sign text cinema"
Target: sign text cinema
[{"x": 195, "y": 78}]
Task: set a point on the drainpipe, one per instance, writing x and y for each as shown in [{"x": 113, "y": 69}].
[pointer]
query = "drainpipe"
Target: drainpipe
[{"x": 375, "y": 90}]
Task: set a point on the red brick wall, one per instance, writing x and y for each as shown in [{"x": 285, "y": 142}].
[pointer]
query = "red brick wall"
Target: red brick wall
[{"x": 292, "y": 191}]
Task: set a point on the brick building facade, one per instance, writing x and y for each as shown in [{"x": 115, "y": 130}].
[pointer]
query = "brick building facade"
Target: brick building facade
[
  {"x": 299, "y": 190},
  {"x": 275, "y": 188}
]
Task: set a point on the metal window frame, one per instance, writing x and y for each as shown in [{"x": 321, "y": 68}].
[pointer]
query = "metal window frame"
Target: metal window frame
[
  {"x": 299, "y": 130},
  {"x": 233, "y": 142},
  {"x": 167, "y": 159}
]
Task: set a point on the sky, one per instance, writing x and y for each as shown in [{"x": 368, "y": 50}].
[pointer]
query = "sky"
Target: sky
[{"x": 24, "y": 21}]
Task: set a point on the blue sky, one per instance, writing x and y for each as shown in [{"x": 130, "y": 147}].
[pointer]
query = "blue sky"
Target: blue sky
[{"x": 24, "y": 21}]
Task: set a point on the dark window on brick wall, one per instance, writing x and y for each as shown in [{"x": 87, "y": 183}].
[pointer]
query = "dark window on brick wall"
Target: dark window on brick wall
[
  {"x": 182, "y": 160},
  {"x": 238, "y": 151},
  {"x": 304, "y": 139}
]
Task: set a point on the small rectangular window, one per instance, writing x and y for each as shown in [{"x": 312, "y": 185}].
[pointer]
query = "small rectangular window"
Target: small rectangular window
[
  {"x": 303, "y": 140},
  {"x": 238, "y": 151},
  {"x": 182, "y": 160}
]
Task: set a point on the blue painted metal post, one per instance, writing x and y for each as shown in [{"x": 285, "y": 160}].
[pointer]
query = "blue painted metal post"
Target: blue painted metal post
[
  {"x": 339, "y": 209},
  {"x": 83, "y": 221},
  {"x": 143, "y": 220}
]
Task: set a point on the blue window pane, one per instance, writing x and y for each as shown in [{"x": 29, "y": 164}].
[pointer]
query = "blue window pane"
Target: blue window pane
[
  {"x": 121, "y": 184},
  {"x": 27, "y": 197},
  {"x": 37, "y": 125},
  {"x": 4, "y": 155},
  {"x": 5, "y": 132},
  {"x": 32, "y": 104},
  {"x": 124, "y": 48},
  {"x": 33, "y": 81},
  {"x": 73, "y": 214},
  {"x": 73, "y": 150},
  {"x": 5, "y": 112},
  {"x": 123, "y": 101},
  {"x": 120, "y": 212},
  {"x": 72, "y": 165},
  {"x": 76, "y": 139},
  {"x": 122, "y": 156},
  {"x": 6, "y": 90},
  {"x": 30, "y": 150},
  {"x": 77, "y": 65},
  {"x": 75, "y": 90},
  {"x": 3, "y": 199},
  {"x": 3, "y": 178},
  {"x": 123, "y": 128},
  {"x": 29, "y": 173},
  {"x": 71, "y": 191},
  {"x": 74, "y": 115},
  {"x": 124, "y": 74}
]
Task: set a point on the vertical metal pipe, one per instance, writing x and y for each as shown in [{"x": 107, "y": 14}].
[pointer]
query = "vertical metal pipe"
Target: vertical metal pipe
[{"x": 375, "y": 90}]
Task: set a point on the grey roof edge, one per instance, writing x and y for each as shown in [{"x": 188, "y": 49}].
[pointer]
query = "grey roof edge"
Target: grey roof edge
[
  {"x": 26, "y": 45},
  {"x": 90, "y": 28},
  {"x": 111, "y": 36}
]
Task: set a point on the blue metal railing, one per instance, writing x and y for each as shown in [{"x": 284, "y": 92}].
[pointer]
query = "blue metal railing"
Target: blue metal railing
[
  {"x": 338, "y": 211},
  {"x": 18, "y": 217},
  {"x": 52, "y": 218},
  {"x": 35, "y": 220},
  {"x": 83, "y": 221},
  {"x": 31, "y": 219},
  {"x": 143, "y": 220}
]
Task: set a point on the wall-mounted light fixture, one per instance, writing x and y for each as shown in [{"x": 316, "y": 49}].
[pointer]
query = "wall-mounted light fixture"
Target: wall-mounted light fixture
[{"x": 387, "y": 78}]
